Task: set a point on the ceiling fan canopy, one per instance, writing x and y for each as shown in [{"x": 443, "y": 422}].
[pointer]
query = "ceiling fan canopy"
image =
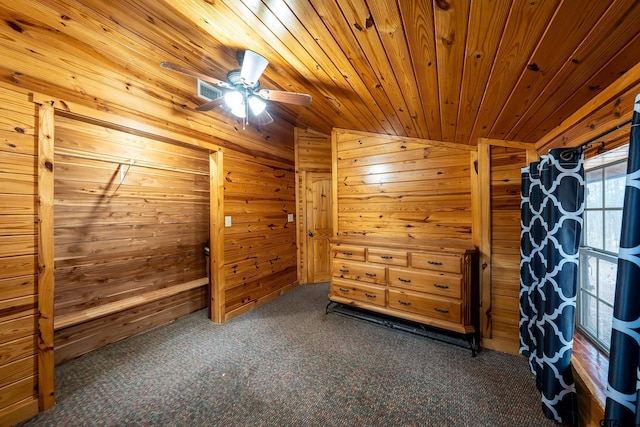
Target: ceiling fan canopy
[{"x": 241, "y": 90}]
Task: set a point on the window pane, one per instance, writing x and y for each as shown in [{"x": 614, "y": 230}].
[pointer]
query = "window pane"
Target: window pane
[
  {"x": 594, "y": 189},
  {"x": 615, "y": 179},
  {"x": 604, "y": 324},
  {"x": 589, "y": 273},
  {"x": 612, "y": 226},
  {"x": 607, "y": 282},
  {"x": 588, "y": 313},
  {"x": 594, "y": 231}
]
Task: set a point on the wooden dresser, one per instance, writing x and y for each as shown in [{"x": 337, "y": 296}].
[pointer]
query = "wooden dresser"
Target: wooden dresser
[{"x": 431, "y": 283}]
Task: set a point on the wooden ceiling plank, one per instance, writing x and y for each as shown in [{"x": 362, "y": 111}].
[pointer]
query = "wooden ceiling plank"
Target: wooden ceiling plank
[
  {"x": 569, "y": 27},
  {"x": 451, "y": 19},
  {"x": 525, "y": 26},
  {"x": 340, "y": 29},
  {"x": 624, "y": 61},
  {"x": 285, "y": 26},
  {"x": 357, "y": 13},
  {"x": 608, "y": 36},
  {"x": 417, "y": 19},
  {"x": 487, "y": 22},
  {"x": 116, "y": 48},
  {"x": 326, "y": 33},
  {"x": 285, "y": 78},
  {"x": 162, "y": 34},
  {"x": 388, "y": 22}
]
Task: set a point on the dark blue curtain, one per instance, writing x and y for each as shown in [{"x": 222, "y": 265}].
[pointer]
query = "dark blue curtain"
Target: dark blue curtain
[
  {"x": 551, "y": 224},
  {"x": 623, "y": 388}
]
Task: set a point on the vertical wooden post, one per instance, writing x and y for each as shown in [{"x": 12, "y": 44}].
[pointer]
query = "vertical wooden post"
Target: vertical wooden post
[
  {"x": 334, "y": 182},
  {"x": 484, "y": 178},
  {"x": 300, "y": 242},
  {"x": 301, "y": 197},
  {"x": 46, "y": 386},
  {"x": 216, "y": 237}
]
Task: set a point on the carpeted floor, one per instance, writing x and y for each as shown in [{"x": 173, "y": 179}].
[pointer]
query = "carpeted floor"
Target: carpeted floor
[{"x": 286, "y": 363}]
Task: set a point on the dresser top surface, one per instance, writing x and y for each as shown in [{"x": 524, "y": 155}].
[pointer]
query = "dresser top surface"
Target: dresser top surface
[{"x": 409, "y": 244}]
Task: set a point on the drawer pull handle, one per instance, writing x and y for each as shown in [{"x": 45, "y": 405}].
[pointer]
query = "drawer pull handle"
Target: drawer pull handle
[
  {"x": 434, "y": 262},
  {"x": 404, "y": 302},
  {"x": 439, "y": 310},
  {"x": 404, "y": 280},
  {"x": 370, "y": 274},
  {"x": 387, "y": 257},
  {"x": 344, "y": 270},
  {"x": 370, "y": 296},
  {"x": 346, "y": 291},
  {"x": 347, "y": 253},
  {"x": 438, "y": 285}
]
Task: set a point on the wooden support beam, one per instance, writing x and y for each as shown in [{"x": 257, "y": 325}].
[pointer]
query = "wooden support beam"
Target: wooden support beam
[
  {"x": 46, "y": 386},
  {"x": 216, "y": 237},
  {"x": 484, "y": 178}
]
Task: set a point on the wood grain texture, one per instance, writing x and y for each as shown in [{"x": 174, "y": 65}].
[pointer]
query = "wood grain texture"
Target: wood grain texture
[
  {"x": 394, "y": 188},
  {"x": 131, "y": 222},
  {"x": 260, "y": 244},
  {"x": 20, "y": 215},
  {"x": 454, "y": 70}
]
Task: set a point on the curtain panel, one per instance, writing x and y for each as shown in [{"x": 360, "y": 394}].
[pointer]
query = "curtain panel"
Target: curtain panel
[
  {"x": 623, "y": 388},
  {"x": 552, "y": 206}
]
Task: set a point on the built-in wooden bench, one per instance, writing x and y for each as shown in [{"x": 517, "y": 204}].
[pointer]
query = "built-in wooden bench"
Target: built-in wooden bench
[{"x": 71, "y": 319}]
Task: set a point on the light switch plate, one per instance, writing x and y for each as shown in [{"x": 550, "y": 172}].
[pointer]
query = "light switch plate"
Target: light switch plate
[
  {"x": 227, "y": 221},
  {"x": 290, "y": 218}
]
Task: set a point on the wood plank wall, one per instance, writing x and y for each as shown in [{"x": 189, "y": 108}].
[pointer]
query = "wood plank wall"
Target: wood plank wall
[
  {"x": 395, "y": 187},
  {"x": 505, "y": 187},
  {"x": 18, "y": 257},
  {"x": 312, "y": 154},
  {"x": 260, "y": 245},
  {"x": 123, "y": 230}
]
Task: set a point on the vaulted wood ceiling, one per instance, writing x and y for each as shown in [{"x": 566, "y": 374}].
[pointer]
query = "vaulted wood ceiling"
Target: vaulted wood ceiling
[{"x": 449, "y": 70}]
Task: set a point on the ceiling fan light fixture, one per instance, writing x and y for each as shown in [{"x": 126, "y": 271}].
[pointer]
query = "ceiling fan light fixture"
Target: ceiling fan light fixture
[
  {"x": 239, "y": 111},
  {"x": 233, "y": 100},
  {"x": 253, "y": 66},
  {"x": 257, "y": 105}
]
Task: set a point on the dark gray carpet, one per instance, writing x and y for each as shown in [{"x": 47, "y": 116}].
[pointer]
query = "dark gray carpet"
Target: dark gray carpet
[{"x": 286, "y": 363}]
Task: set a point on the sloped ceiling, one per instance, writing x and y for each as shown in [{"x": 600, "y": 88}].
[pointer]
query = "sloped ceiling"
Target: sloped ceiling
[{"x": 449, "y": 70}]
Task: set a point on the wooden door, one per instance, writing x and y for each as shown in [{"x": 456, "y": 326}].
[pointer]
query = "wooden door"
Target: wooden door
[{"x": 318, "y": 223}]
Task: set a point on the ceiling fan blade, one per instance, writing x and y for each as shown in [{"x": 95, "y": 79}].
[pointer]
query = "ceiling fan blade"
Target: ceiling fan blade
[
  {"x": 180, "y": 69},
  {"x": 207, "y": 106},
  {"x": 284, "y": 96},
  {"x": 253, "y": 65},
  {"x": 261, "y": 119}
]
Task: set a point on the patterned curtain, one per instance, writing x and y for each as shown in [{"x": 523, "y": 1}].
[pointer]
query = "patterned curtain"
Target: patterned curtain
[
  {"x": 623, "y": 386},
  {"x": 551, "y": 224}
]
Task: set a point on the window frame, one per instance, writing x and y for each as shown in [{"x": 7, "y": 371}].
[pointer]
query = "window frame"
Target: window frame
[{"x": 598, "y": 254}]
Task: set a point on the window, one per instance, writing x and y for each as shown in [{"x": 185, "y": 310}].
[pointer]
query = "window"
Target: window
[{"x": 605, "y": 178}]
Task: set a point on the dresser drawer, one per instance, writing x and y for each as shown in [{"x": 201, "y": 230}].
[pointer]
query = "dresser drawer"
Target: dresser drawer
[
  {"x": 429, "y": 306},
  {"x": 436, "y": 261},
  {"x": 348, "y": 252},
  {"x": 358, "y": 291},
  {"x": 387, "y": 256},
  {"x": 448, "y": 285},
  {"x": 359, "y": 271}
]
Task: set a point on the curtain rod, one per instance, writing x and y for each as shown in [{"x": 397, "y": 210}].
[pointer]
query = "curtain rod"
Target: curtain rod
[{"x": 594, "y": 139}]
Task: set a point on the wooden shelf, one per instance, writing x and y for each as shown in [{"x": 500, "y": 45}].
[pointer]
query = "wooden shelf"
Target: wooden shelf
[{"x": 71, "y": 319}]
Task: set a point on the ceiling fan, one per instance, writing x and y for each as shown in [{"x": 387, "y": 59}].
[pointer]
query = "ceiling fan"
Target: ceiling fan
[{"x": 241, "y": 91}]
